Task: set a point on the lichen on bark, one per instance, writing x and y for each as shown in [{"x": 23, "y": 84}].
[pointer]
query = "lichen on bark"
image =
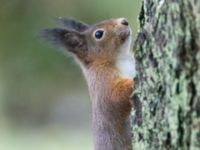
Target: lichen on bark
[{"x": 167, "y": 50}]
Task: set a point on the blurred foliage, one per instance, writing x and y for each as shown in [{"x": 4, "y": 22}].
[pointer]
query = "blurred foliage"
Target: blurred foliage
[{"x": 40, "y": 87}]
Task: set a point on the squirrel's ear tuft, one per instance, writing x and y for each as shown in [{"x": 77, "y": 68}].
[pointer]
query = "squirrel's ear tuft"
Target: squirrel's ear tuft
[
  {"x": 71, "y": 23},
  {"x": 55, "y": 36},
  {"x": 71, "y": 40}
]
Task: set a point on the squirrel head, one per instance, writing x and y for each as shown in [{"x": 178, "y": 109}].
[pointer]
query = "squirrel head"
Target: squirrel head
[{"x": 89, "y": 43}]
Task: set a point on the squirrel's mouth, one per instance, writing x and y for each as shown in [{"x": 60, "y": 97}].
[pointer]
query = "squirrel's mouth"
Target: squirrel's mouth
[{"x": 124, "y": 34}]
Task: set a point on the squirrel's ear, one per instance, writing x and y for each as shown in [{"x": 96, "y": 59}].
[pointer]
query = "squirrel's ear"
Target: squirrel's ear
[
  {"x": 72, "y": 24},
  {"x": 72, "y": 40}
]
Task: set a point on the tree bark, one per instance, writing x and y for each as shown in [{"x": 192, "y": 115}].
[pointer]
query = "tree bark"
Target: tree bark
[{"x": 166, "y": 99}]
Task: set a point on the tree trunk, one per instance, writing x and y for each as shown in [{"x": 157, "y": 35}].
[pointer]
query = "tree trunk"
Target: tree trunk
[{"x": 167, "y": 91}]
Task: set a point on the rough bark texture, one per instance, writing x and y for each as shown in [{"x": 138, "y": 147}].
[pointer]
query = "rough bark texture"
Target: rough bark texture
[{"x": 167, "y": 94}]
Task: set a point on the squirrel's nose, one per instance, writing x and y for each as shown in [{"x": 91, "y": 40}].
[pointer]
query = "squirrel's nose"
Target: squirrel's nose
[{"x": 124, "y": 22}]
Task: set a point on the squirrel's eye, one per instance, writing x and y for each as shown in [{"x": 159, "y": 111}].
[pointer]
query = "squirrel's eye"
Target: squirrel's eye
[{"x": 99, "y": 34}]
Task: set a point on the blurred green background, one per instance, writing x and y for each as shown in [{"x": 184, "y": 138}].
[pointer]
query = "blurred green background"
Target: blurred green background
[{"x": 44, "y": 103}]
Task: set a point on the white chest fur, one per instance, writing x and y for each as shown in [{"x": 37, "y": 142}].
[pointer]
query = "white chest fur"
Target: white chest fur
[
  {"x": 126, "y": 61},
  {"x": 126, "y": 66}
]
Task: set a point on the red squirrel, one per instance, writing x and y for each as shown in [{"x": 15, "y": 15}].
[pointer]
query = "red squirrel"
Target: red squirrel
[{"x": 103, "y": 51}]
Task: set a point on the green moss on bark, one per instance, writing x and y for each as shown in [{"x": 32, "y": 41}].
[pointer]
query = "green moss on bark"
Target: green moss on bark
[{"x": 168, "y": 60}]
